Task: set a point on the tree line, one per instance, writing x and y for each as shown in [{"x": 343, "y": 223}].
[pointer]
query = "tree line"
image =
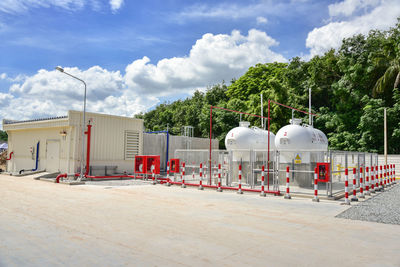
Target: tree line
[{"x": 350, "y": 87}]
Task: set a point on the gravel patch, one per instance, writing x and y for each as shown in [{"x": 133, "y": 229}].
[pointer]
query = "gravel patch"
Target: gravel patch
[{"x": 383, "y": 207}]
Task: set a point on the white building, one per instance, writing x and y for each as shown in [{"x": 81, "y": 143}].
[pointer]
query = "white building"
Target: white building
[{"x": 115, "y": 141}]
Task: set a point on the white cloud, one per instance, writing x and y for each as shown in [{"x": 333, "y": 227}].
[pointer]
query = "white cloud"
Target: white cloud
[
  {"x": 349, "y": 7},
  {"x": 212, "y": 59},
  {"x": 382, "y": 17},
  {"x": 116, "y": 4},
  {"x": 22, "y": 6},
  {"x": 261, "y": 20}
]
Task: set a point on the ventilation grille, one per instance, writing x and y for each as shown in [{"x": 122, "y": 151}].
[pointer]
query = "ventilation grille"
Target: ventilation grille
[{"x": 131, "y": 144}]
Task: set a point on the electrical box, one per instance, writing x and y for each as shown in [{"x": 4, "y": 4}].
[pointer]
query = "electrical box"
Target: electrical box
[
  {"x": 323, "y": 172},
  {"x": 174, "y": 165},
  {"x": 144, "y": 163}
]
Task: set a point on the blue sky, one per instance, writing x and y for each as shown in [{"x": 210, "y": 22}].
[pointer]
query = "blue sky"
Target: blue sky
[{"x": 136, "y": 54}]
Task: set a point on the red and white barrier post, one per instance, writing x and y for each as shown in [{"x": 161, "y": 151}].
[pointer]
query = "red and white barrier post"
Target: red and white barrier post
[
  {"x": 201, "y": 177},
  {"x": 287, "y": 196},
  {"x": 376, "y": 179},
  {"x": 219, "y": 189},
  {"x": 367, "y": 192},
  {"x": 380, "y": 179},
  {"x": 384, "y": 176},
  {"x": 354, "y": 198},
  {"x": 394, "y": 173},
  {"x": 168, "y": 183},
  {"x": 262, "y": 193},
  {"x": 372, "y": 175},
  {"x": 153, "y": 174},
  {"x": 346, "y": 187},
  {"x": 391, "y": 175},
  {"x": 183, "y": 175},
  {"x": 316, "y": 199},
  {"x": 240, "y": 180},
  {"x": 361, "y": 183}
]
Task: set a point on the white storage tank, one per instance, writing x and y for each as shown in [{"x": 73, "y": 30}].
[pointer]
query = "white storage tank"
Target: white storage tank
[
  {"x": 296, "y": 142},
  {"x": 245, "y": 138}
]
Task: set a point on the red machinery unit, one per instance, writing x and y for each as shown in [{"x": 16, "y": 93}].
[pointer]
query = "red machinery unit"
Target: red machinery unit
[
  {"x": 323, "y": 172},
  {"x": 143, "y": 164},
  {"x": 174, "y": 165}
]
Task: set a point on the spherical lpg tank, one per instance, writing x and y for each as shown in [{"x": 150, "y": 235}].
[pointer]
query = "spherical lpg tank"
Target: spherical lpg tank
[
  {"x": 243, "y": 137},
  {"x": 295, "y": 137}
]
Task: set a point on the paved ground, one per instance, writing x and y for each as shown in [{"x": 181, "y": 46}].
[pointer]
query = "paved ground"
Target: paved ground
[{"x": 47, "y": 224}]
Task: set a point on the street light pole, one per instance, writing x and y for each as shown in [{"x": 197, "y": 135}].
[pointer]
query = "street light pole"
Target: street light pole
[{"x": 81, "y": 176}]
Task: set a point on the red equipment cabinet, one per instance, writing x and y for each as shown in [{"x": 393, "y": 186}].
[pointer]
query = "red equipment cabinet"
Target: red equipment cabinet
[
  {"x": 323, "y": 171},
  {"x": 174, "y": 165},
  {"x": 143, "y": 164}
]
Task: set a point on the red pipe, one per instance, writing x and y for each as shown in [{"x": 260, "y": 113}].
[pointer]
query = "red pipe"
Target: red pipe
[
  {"x": 9, "y": 156},
  {"x": 64, "y": 175},
  {"x": 88, "y": 132}
]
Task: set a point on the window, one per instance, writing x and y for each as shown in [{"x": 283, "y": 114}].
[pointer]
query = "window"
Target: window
[{"x": 131, "y": 144}]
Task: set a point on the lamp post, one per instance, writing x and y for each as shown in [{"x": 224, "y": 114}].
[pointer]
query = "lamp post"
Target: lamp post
[{"x": 81, "y": 176}]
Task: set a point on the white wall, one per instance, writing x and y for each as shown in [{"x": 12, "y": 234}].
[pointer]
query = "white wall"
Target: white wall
[{"x": 391, "y": 159}]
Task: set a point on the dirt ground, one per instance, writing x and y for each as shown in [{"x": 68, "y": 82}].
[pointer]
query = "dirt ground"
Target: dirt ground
[{"x": 47, "y": 224}]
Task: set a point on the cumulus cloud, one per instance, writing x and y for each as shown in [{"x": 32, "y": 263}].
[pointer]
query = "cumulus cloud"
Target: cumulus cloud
[
  {"x": 381, "y": 16},
  {"x": 116, "y": 4},
  {"x": 212, "y": 59}
]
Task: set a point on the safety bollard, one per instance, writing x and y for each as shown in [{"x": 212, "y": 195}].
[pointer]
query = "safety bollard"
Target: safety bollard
[
  {"x": 384, "y": 176},
  {"x": 376, "y": 179},
  {"x": 391, "y": 174},
  {"x": 183, "y": 175},
  {"x": 240, "y": 180},
  {"x": 367, "y": 192},
  {"x": 153, "y": 174},
  {"x": 361, "y": 183},
  {"x": 354, "y": 198},
  {"x": 346, "y": 187},
  {"x": 315, "y": 199},
  {"x": 219, "y": 189},
  {"x": 201, "y": 177},
  {"x": 262, "y": 193},
  {"x": 287, "y": 196},
  {"x": 168, "y": 183},
  {"x": 381, "y": 179},
  {"x": 394, "y": 173},
  {"x": 372, "y": 175}
]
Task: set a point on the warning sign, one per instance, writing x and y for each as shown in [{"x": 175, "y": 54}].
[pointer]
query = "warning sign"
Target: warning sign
[{"x": 297, "y": 158}]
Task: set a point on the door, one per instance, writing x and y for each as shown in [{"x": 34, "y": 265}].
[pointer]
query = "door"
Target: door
[{"x": 53, "y": 156}]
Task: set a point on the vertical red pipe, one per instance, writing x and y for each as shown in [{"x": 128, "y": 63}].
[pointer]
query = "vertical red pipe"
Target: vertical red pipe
[
  {"x": 346, "y": 187},
  {"x": 89, "y": 133},
  {"x": 210, "y": 160}
]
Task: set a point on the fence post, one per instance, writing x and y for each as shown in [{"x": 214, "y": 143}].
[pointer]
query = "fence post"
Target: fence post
[
  {"x": 387, "y": 175},
  {"x": 168, "y": 183},
  {"x": 201, "y": 177},
  {"x": 371, "y": 174},
  {"x": 287, "y": 196},
  {"x": 384, "y": 176},
  {"x": 381, "y": 179},
  {"x": 346, "y": 188},
  {"x": 367, "y": 192},
  {"x": 263, "y": 181},
  {"x": 219, "y": 189},
  {"x": 376, "y": 179},
  {"x": 361, "y": 183},
  {"x": 391, "y": 174},
  {"x": 183, "y": 175},
  {"x": 240, "y": 180},
  {"x": 354, "y": 198},
  {"x": 394, "y": 173},
  {"x": 315, "y": 199},
  {"x": 153, "y": 174}
]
